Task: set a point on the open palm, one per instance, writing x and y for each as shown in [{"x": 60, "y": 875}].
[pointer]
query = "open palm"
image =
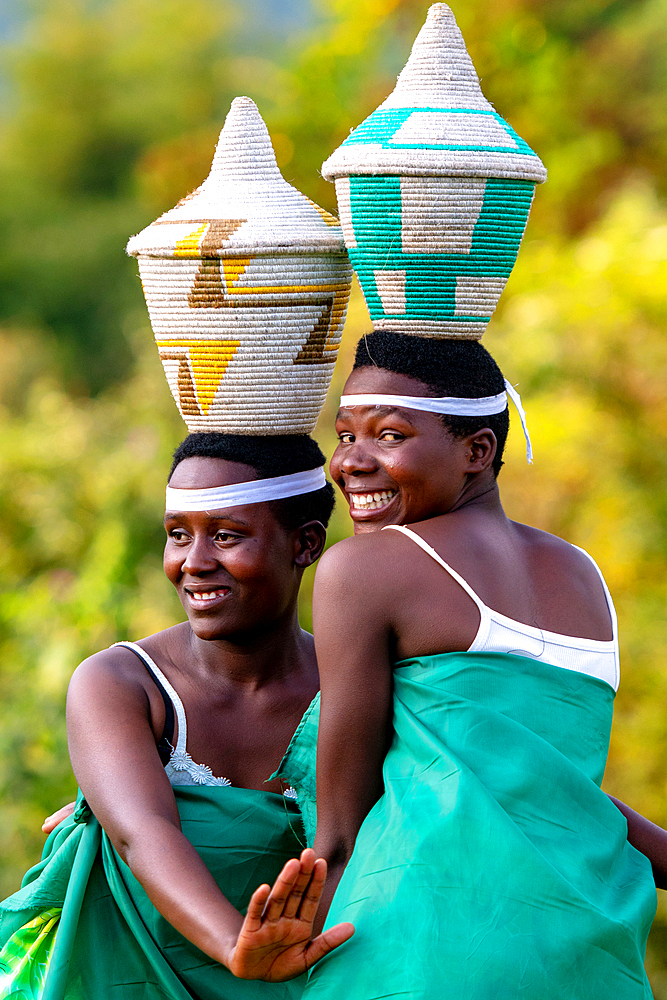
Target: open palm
[{"x": 274, "y": 943}]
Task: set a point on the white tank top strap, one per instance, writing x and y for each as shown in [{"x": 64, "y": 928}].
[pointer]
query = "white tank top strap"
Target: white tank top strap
[
  {"x": 182, "y": 740},
  {"x": 418, "y": 540},
  {"x": 500, "y": 634},
  {"x": 607, "y": 594}
]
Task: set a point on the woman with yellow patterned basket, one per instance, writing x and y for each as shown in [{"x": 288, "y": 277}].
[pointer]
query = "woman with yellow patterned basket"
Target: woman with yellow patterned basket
[{"x": 141, "y": 892}]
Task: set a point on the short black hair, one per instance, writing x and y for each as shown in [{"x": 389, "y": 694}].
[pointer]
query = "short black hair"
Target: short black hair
[
  {"x": 278, "y": 455},
  {"x": 448, "y": 368}
]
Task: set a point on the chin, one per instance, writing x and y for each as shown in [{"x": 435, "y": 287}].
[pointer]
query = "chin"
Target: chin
[
  {"x": 367, "y": 527},
  {"x": 210, "y": 630}
]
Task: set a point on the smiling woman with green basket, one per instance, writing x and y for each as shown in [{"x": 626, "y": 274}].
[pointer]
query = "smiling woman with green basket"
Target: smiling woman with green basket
[
  {"x": 468, "y": 664},
  {"x": 465, "y": 715}
]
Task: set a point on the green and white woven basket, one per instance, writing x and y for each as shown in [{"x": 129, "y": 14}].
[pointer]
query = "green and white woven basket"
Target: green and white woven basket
[
  {"x": 247, "y": 283},
  {"x": 434, "y": 190}
]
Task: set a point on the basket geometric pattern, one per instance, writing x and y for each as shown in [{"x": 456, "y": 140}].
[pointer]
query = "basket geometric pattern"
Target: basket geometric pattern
[
  {"x": 247, "y": 283},
  {"x": 444, "y": 275},
  {"x": 434, "y": 191}
]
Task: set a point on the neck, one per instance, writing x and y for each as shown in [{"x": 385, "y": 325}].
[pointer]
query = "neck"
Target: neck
[
  {"x": 480, "y": 493},
  {"x": 257, "y": 657}
]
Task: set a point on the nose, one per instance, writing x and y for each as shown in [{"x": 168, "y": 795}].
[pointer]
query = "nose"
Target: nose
[
  {"x": 200, "y": 557},
  {"x": 356, "y": 459}
]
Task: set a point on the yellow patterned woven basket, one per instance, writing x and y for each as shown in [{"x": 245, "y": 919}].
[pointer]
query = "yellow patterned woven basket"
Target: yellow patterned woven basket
[{"x": 247, "y": 283}]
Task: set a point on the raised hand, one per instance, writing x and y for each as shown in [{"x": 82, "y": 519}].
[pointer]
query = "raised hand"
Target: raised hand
[{"x": 274, "y": 943}]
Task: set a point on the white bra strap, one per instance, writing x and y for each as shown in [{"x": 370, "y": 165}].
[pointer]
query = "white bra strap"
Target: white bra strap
[
  {"x": 176, "y": 701},
  {"x": 418, "y": 540}
]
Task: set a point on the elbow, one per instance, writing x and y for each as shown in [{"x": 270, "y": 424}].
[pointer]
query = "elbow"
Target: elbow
[
  {"x": 659, "y": 876},
  {"x": 133, "y": 842},
  {"x": 124, "y": 844},
  {"x": 338, "y": 856},
  {"x": 336, "y": 850},
  {"x": 337, "y": 861}
]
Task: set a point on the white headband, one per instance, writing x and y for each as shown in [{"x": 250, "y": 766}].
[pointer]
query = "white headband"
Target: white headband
[
  {"x": 255, "y": 491},
  {"x": 454, "y": 406}
]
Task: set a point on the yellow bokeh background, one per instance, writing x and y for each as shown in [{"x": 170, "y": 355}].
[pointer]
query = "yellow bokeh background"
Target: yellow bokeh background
[{"x": 110, "y": 112}]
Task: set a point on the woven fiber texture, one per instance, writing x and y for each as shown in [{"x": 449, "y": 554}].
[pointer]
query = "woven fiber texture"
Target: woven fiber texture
[
  {"x": 247, "y": 283},
  {"x": 434, "y": 191}
]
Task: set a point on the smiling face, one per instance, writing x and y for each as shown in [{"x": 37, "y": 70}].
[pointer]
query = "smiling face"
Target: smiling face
[
  {"x": 236, "y": 571},
  {"x": 400, "y": 466}
]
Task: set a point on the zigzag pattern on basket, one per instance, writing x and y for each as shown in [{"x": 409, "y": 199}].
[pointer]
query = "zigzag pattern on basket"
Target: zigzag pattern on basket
[
  {"x": 434, "y": 191},
  {"x": 247, "y": 283}
]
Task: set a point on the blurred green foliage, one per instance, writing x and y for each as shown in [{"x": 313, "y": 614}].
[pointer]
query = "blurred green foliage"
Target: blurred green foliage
[{"x": 110, "y": 110}]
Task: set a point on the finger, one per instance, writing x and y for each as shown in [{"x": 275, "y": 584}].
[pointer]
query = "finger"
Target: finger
[
  {"x": 253, "y": 917},
  {"x": 308, "y": 859},
  {"x": 327, "y": 941},
  {"x": 293, "y": 903},
  {"x": 51, "y": 822},
  {"x": 279, "y": 894},
  {"x": 311, "y": 898}
]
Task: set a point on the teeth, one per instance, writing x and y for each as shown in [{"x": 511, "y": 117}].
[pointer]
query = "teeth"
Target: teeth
[
  {"x": 371, "y": 501},
  {"x": 207, "y": 596}
]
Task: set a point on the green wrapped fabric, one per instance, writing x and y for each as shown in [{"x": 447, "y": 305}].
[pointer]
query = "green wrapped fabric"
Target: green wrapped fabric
[
  {"x": 82, "y": 928},
  {"x": 493, "y": 867}
]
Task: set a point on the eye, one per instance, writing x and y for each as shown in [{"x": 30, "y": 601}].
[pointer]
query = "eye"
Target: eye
[
  {"x": 392, "y": 436},
  {"x": 178, "y": 535},
  {"x": 345, "y": 437},
  {"x": 225, "y": 536}
]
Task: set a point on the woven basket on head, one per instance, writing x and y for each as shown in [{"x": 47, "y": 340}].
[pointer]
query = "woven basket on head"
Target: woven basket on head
[
  {"x": 434, "y": 191},
  {"x": 246, "y": 282}
]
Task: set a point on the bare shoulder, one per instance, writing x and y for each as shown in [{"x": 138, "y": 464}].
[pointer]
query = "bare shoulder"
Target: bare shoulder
[
  {"x": 114, "y": 672},
  {"x": 358, "y": 559},
  {"x": 560, "y": 558},
  {"x": 121, "y": 665},
  {"x": 104, "y": 674},
  {"x": 355, "y": 583}
]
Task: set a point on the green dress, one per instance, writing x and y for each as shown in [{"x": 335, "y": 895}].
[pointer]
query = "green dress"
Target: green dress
[
  {"x": 493, "y": 867},
  {"x": 82, "y": 928}
]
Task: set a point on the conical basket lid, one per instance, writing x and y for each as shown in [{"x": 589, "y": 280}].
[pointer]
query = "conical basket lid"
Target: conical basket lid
[
  {"x": 245, "y": 205},
  {"x": 437, "y": 120}
]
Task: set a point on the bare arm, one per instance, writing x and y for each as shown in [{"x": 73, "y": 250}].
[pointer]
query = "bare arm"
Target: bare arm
[
  {"x": 648, "y": 838},
  {"x": 114, "y": 757},
  {"x": 112, "y": 748},
  {"x": 352, "y": 639}
]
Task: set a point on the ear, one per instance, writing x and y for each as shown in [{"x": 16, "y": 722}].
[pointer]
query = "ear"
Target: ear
[
  {"x": 309, "y": 541},
  {"x": 481, "y": 449}
]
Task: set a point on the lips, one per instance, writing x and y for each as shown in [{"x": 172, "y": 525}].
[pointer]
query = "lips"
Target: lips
[
  {"x": 369, "y": 504},
  {"x": 371, "y": 501},
  {"x": 201, "y": 599}
]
